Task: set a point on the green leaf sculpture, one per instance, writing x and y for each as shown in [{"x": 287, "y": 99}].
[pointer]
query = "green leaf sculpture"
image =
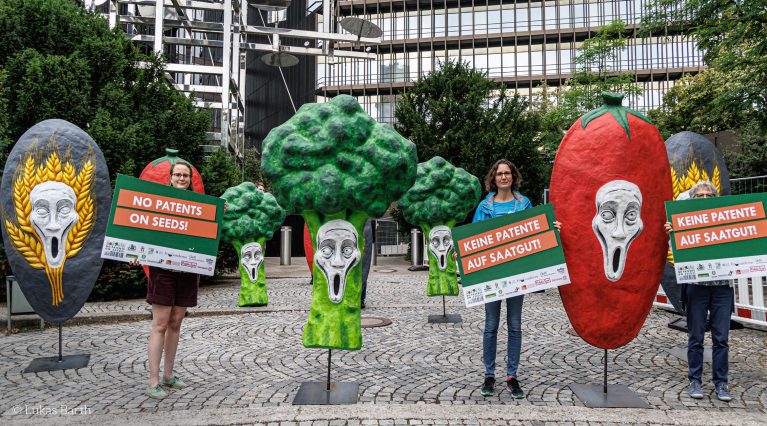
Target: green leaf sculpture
[
  {"x": 336, "y": 166},
  {"x": 250, "y": 219},
  {"x": 441, "y": 196}
]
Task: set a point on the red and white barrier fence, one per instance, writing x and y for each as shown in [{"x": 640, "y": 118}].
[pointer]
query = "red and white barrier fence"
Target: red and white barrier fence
[{"x": 749, "y": 300}]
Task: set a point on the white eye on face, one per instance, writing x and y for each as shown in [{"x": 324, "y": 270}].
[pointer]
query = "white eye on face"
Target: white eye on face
[
  {"x": 326, "y": 251},
  {"x": 41, "y": 211},
  {"x": 631, "y": 215},
  {"x": 246, "y": 256},
  {"x": 66, "y": 210},
  {"x": 446, "y": 241},
  {"x": 435, "y": 242},
  {"x": 348, "y": 251},
  {"x": 607, "y": 215}
]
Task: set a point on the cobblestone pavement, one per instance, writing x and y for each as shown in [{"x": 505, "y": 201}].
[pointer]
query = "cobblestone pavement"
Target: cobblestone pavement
[{"x": 247, "y": 367}]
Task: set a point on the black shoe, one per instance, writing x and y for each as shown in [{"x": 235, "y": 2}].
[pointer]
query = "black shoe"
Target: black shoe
[
  {"x": 487, "y": 387},
  {"x": 512, "y": 385}
]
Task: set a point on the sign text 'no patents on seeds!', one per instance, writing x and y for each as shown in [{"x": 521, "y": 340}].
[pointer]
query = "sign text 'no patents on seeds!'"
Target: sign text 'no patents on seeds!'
[{"x": 163, "y": 226}]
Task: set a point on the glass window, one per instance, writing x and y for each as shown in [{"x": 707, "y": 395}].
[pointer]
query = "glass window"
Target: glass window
[
  {"x": 522, "y": 23},
  {"x": 426, "y": 25},
  {"x": 452, "y": 24},
  {"x": 536, "y": 18},
  {"x": 536, "y": 62},
  {"x": 467, "y": 23},
  {"x": 493, "y": 21},
  {"x": 550, "y": 17}
]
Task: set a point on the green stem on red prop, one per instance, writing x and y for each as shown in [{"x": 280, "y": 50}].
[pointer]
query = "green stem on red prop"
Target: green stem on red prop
[
  {"x": 613, "y": 105},
  {"x": 335, "y": 325},
  {"x": 251, "y": 293},
  {"x": 441, "y": 283}
]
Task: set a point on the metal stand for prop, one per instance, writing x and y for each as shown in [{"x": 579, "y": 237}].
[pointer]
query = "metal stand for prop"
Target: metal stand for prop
[
  {"x": 608, "y": 396},
  {"x": 58, "y": 362},
  {"x": 445, "y": 318},
  {"x": 327, "y": 393}
]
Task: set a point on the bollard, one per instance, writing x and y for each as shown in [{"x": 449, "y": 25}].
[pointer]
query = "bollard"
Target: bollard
[
  {"x": 374, "y": 245},
  {"x": 285, "y": 239},
  {"x": 416, "y": 247}
]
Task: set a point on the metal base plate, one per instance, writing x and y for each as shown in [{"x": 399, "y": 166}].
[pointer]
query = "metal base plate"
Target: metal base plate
[
  {"x": 681, "y": 353},
  {"x": 679, "y": 324},
  {"x": 617, "y": 396},
  {"x": 445, "y": 319},
  {"x": 316, "y": 393},
  {"x": 52, "y": 363}
]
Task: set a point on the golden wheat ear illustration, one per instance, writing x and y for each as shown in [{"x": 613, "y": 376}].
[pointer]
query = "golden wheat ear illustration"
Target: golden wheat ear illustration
[
  {"x": 47, "y": 234},
  {"x": 695, "y": 173}
]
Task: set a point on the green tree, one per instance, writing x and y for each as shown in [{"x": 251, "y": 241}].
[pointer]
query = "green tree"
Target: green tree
[
  {"x": 253, "y": 171},
  {"x": 562, "y": 106},
  {"x": 457, "y": 113},
  {"x": 61, "y": 61},
  {"x": 220, "y": 173}
]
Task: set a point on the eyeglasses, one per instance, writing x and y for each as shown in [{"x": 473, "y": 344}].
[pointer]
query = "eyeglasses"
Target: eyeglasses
[
  {"x": 503, "y": 174},
  {"x": 703, "y": 195},
  {"x": 180, "y": 175}
]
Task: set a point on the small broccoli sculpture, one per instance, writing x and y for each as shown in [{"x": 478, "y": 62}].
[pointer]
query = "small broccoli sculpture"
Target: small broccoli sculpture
[
  {"x": 336, "y": 166},
  {"x": 442, "y": 195},
  {"x": 250, "y": 219}
]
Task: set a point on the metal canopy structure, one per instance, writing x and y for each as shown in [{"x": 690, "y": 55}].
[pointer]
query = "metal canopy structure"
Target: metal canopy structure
[{"x": 205, "y": 41}]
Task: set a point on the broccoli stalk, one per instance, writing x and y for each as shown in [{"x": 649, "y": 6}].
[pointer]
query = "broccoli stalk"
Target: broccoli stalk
[
  {"x": 441, "y": 196},
  {"x": 250, "y": 219},
  {"x": 337, "y": 167}
]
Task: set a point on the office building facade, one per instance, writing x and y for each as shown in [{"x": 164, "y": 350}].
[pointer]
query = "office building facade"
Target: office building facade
[{"x": 519, "y": 43}]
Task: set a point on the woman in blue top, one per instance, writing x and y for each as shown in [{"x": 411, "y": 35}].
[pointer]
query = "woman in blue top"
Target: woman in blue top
[{"x": 502, "y": 181}]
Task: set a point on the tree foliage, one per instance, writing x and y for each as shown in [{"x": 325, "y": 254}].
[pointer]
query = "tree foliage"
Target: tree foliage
[
  {"x": 459, "y": 114},
  {"x": 61, "y": 61},
  {"x": 562, "y": 106},
  {"x": 220, "y": 172},
  {"x": 732, "y": 93}
]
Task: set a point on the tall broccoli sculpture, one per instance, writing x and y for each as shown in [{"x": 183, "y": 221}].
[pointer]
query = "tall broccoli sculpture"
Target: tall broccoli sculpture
[
  {"x": 441, "y": 196},
  {"x": 250, "y": 219},
  {"x": 336, "y": 166}
]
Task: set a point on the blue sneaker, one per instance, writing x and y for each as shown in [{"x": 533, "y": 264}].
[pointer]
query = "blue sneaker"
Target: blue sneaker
[
  {"x": 695, "y": 391},
  {"x": 723, "y": 393}
]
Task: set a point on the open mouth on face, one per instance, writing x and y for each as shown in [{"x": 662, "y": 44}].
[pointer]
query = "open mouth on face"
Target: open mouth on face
[
  {"x": 616, "y": 260},
  {"x": 54, "y": 247},
  {"x": 253, "y": 273},
  {"x": 442, "y": 263},
  {"x": 336, "y": 284}
]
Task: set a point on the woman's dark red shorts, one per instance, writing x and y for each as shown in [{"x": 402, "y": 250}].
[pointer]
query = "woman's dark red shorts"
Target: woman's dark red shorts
[{"x": 172, "y": 288}]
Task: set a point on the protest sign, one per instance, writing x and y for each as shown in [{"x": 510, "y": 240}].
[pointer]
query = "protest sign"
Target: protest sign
[
  {"x": 510, "y": 256},
  {"x": 718, "y": 238},
  {"x": 163, "y": 226}
]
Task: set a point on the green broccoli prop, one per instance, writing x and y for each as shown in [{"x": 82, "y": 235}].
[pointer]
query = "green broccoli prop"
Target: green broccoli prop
[
  {"x": 250, "y": 219},
  {"x": 336, "y": 166},
  {"x": 441, "y": 196}
]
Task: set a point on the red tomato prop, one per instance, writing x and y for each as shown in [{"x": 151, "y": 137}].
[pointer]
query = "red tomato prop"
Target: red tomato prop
[
  {"x": 159, "y": 170},
  {"x": 609, "y": 182},
  {"x": 308, "y": 248}
]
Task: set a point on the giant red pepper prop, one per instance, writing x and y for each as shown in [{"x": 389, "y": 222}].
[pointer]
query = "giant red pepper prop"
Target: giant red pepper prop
[{"x": 608, "y": 185}]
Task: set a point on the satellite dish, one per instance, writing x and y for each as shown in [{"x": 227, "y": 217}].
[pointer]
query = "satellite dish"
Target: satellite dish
[
  {"x": 280, "y": 59},
  {"x": 360, "y": 27}
]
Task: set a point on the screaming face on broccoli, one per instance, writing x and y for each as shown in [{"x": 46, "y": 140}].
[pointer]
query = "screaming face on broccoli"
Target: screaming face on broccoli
[
  {"x": 441, "y": 196},
  {"x": 250, "y": 219},
  {"x": 336, "y": 166}
]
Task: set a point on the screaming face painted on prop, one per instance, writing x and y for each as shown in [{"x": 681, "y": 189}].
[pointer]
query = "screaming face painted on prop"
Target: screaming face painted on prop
[
  {"x": 336, "y": 255},
  {"x": 617, "y": 223},
  {"x": 53, "y": 216},
  {"x": 440, "y": 244},
  {"x": 251, "y": 256}
]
